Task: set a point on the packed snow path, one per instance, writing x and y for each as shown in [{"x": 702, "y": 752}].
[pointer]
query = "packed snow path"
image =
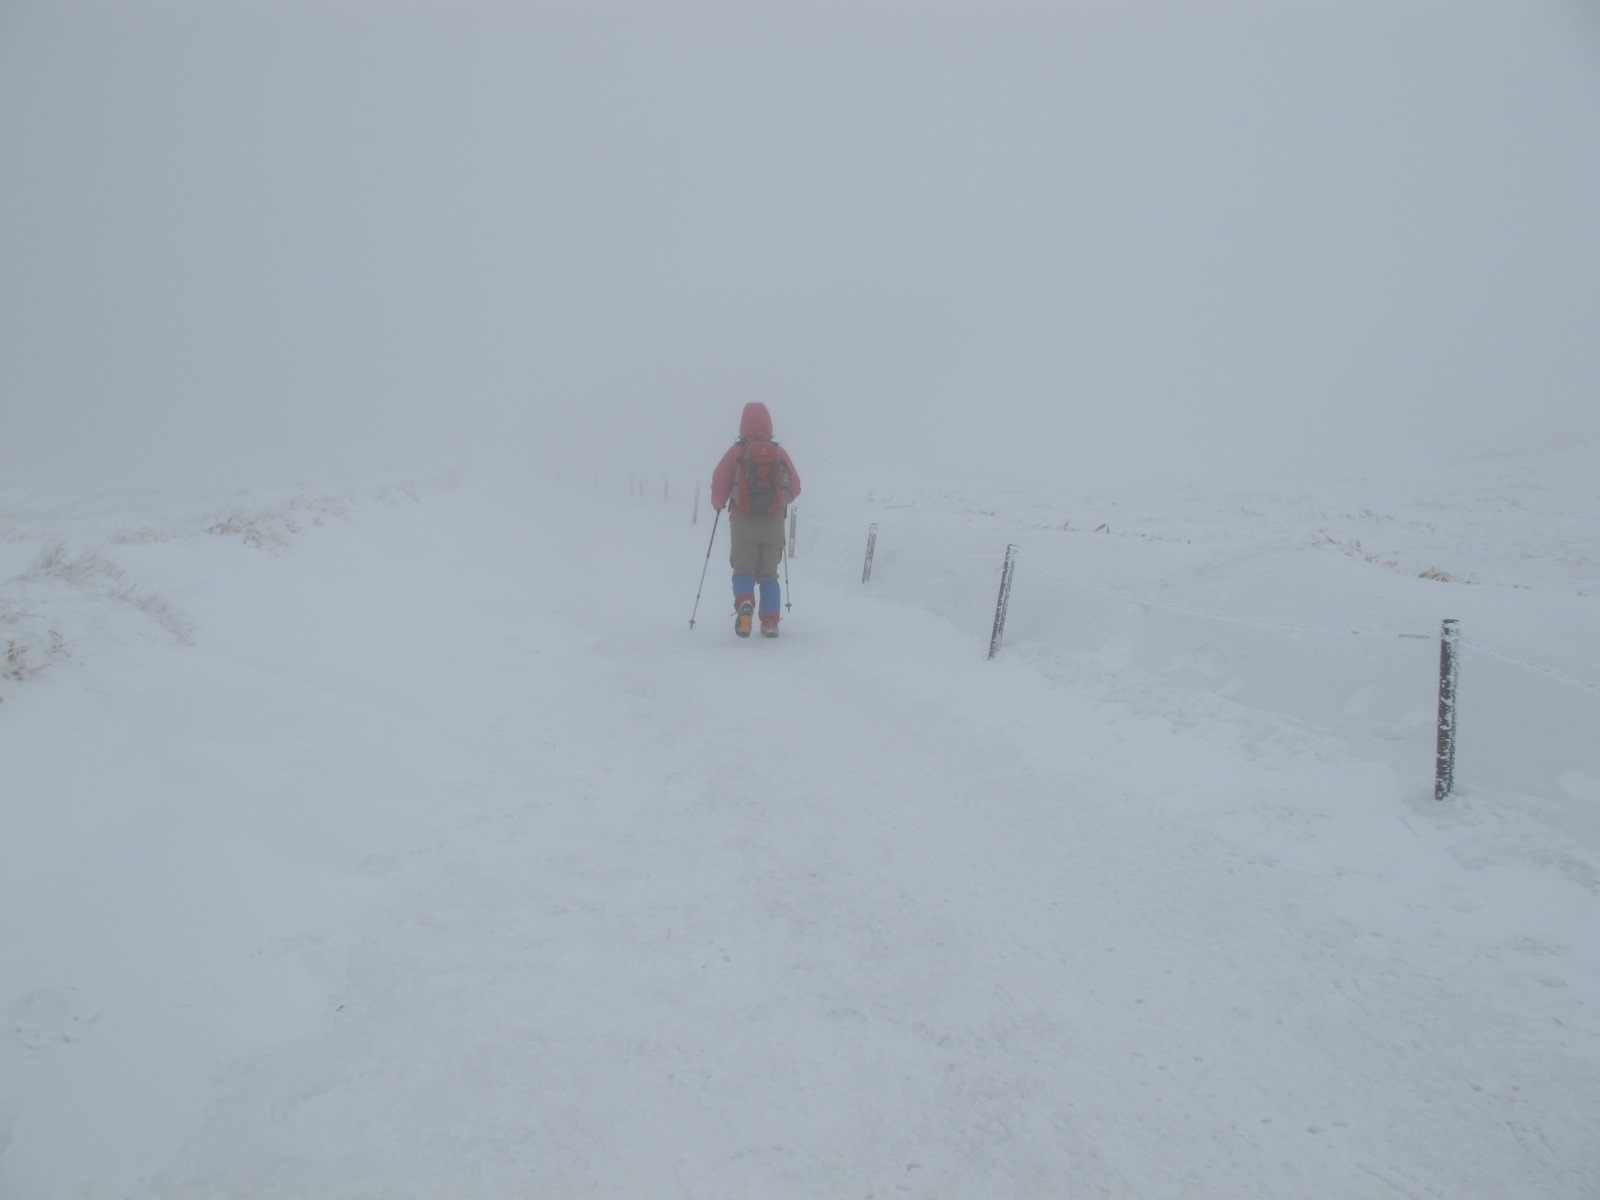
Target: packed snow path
[{"x": 450, "y": 862}]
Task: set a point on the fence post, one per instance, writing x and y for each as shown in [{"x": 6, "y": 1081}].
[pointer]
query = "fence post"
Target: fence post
[
  {"x": 1003, "y": 602},
  {"x": 1444, "y": 770},
  {"x": 872, "y": 544}
]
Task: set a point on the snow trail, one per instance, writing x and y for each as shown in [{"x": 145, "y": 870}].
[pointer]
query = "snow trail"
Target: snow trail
[{"x": 599, "y": 905}]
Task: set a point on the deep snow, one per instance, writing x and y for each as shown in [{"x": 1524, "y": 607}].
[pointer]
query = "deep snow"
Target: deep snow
[{"x": 400, "y": 839}]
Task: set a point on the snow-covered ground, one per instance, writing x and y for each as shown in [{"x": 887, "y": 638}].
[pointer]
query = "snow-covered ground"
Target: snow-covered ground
[{"x": 400, "y": 839}]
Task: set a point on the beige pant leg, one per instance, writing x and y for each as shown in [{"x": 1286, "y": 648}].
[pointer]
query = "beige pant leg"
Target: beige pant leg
[{"x": 757, "y": 545}]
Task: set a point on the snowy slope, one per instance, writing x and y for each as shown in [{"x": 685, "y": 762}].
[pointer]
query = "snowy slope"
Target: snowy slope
[{"x": 403, "y": 841}]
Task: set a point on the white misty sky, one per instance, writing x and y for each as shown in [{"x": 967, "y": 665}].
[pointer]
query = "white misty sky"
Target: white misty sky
[{"x": 1119, "y": 236}]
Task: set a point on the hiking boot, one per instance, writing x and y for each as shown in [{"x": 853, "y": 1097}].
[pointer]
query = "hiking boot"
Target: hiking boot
[
  {"x": 741, "y": 621},
  {"x": 769, "y": 626}
]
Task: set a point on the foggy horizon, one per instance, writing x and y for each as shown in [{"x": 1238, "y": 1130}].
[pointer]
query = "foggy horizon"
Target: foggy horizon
[{"x": 1119, "y": 240}]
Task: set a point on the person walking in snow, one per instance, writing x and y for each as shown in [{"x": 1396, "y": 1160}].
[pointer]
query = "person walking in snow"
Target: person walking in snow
[{"x": 756, "y": 479}]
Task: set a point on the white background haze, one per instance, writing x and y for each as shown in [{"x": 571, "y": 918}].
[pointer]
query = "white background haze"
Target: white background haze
[
  {"x": 1154, "y": 238},
  {"x": 373, "y": 822}
]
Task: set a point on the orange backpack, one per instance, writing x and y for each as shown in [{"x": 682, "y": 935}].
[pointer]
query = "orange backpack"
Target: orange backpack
[{"x": 760, "y": 479}]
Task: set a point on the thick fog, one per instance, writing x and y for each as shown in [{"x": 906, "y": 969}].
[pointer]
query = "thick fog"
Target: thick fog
[{"x": 1120, "y": 238}]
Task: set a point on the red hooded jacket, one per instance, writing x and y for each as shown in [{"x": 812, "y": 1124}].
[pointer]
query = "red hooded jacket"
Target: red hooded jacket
[{"x": 754, "y": 426}]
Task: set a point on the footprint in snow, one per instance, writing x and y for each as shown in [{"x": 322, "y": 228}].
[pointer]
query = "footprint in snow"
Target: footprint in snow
[
  {"x": 1208, "y": 659},
  {"x": 53, "y": 1016},
  {"x": 1582, "y": 785}
]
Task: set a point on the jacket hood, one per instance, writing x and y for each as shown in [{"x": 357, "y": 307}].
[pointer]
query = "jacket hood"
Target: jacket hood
[{"x": 756, "y": 423}]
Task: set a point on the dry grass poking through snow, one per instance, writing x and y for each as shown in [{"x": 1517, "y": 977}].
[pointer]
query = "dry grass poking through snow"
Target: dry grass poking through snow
[{"x": 64, "y": 592}]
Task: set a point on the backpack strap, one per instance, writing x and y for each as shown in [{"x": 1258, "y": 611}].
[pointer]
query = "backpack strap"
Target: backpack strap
[
  {"x": 780, "y": 491},
  {"x": 741, "y": 481}
]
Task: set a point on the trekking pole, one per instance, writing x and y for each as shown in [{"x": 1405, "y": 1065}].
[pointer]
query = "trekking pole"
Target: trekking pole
[
  {"x": 788, "y": 601},
  {"x": 703, "y": 569}
]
